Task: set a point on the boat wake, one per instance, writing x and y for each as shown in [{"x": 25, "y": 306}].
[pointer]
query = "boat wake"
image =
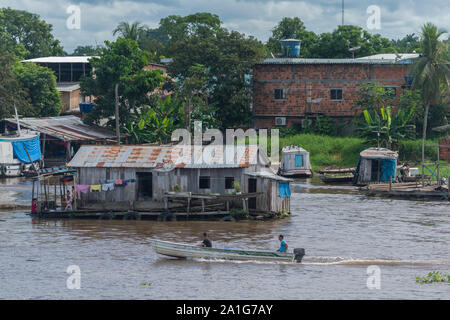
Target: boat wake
[
  {"x": 333, "y": 261},
  {"x": 367, "y": 262}
]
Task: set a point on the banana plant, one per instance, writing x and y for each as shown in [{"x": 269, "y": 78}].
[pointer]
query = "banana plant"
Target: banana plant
[{"x": 387, "y": 126}]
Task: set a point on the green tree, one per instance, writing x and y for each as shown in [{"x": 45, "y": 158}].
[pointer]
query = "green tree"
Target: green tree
[
  {"x": 88, "y": 50},
  {"x": 337, "y": 43},
  {"x": 120, "y": 62},
  {"x": 135, "y": 31},
  {"x": 26, "y": 35},
  {"x": 40, "y": 85},
  {"x": 155, "y": 124},
  {"x": 431, "y": 74},
  {"x": 407, "y": 44},
  {"x": 228, "y": 57},
  {"x": 11, "y": 93}
]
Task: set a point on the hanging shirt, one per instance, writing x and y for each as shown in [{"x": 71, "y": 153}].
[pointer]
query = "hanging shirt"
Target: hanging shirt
[
  {"x": 108, "y": 186},
  {"x": 95, "y": 188},
  {"x": 82, "y": 188}
]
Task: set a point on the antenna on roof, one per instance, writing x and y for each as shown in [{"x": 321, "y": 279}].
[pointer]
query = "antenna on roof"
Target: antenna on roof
[{"x": 352, "y": 49}]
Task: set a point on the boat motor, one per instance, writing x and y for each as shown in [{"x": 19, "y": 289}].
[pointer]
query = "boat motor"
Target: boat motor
[{"x": 298, "y": 254}]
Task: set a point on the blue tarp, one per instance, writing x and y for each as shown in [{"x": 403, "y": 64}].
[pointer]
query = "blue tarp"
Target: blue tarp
[
  {"x": 33, "y": 147},
  {"x": 284, "y": 189},
  {"x": 387, "y": 169}
]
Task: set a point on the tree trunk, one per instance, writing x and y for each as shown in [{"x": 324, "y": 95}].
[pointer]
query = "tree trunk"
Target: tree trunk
[{"x": 424, "y": 136}]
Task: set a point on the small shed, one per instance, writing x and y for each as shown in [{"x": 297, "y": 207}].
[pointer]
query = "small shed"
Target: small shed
[
  {"x": 295, "y": 162},
  {"x": 277, "y": 188},
  {"x": 376, "y": 165}
]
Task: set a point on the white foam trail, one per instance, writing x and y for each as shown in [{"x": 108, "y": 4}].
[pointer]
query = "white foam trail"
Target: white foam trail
[{"x": 333, "y": 261}]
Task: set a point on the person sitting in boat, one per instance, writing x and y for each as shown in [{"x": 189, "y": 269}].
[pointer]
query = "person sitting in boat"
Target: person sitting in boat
[
  {"x": 283, "y": 244},
  {"x": 206, "y": 242},
  {"x": 68, "y": 201},
  {"x": 404, "y": 172}
]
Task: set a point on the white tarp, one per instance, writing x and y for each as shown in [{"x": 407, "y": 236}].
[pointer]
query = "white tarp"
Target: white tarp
[{"x": 6, "y": 153}]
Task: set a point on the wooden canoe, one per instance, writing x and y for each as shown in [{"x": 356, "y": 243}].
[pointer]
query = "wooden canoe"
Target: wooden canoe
[{"x": 180, "y": 250}]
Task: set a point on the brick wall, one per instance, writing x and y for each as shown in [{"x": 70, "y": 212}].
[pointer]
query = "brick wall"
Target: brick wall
[
  {"x": 444, "y": 153},
  {"x": 314, "y": 81}
]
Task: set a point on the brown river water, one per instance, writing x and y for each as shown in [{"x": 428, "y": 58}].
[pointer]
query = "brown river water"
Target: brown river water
[{"x": 342, "y": 230}]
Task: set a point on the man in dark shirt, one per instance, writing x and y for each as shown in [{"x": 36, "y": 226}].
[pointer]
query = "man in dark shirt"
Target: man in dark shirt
[{"x": 206, "y": 242}]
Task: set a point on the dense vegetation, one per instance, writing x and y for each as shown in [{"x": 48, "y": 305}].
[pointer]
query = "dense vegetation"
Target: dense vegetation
[{"x": 211, "y": 68}]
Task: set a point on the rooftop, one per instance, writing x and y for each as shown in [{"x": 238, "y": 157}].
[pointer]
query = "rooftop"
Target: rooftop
[
  {"x": 165, "y": 156},
  {"x": 392, "y": 56},
  {"x": 327, "y": 61},
  {"x": 68, "y": 59},
  {"x": 378, "y": 153},
  {"x": 67, "y": 128}
]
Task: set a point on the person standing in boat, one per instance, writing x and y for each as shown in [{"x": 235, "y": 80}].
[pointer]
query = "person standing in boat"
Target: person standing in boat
[
  {"x": 283, "y": 244},
  {"x": 68, "y": 201},
  {"x": 206, "y": 242}
]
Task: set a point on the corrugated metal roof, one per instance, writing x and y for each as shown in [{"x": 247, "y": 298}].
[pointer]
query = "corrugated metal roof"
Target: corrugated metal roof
[
  {"x": 67, "y": 86},
  {"x": 293, "y": 149},
  {"x": 164, "y": 156},
  {"x": 392, "y": 56},
  {"x": 268, "y": 175},
  {"x": 68, "y": 59},
  {"x": 68, "y": 128},
  {"x": 326, "y": 61},
  {"x": 378, "y": 153}
]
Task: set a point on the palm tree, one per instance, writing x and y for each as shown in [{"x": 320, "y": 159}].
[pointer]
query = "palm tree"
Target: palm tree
[
  {"x": 135, "y": 31},
  {"x": 431, "y": 74}
]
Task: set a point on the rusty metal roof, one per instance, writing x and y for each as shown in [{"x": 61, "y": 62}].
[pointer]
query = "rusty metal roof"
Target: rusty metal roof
[
  {"x": 67, "y": 128},
  {"x": 166, "y": 156}
]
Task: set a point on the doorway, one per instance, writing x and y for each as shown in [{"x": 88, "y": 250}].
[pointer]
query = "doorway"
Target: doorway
[
  {"x": 251, "y": 189},
  {"x": 145, "y": 185}
]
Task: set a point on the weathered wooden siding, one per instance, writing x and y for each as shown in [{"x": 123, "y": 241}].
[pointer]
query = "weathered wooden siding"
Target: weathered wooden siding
[{"x": 289, "y": 161}]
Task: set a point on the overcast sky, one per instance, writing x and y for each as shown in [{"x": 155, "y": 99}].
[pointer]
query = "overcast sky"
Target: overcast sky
[{"x": 252, "y": 17}]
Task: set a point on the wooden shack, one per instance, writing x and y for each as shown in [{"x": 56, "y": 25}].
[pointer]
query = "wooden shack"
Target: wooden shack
[
  {"x": 141, "y": 176},
  {"x": 376, "y": 165},
  {"x": 295, "y": 162}
]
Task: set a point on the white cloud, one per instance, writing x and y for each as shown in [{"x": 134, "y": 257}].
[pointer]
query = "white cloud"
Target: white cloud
[{"x": 252, "y": 17}]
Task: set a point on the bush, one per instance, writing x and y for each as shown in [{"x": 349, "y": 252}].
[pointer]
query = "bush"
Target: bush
[
  {"x": 412, "y": 150},
  {"x": 239, "y": 214}
]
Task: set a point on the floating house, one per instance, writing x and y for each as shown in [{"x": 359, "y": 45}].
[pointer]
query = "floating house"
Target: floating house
[
  {"x": 61, "y": 137},
  {"x": 376, "y": 165},
  {"x": 295, "y": 162},
  {"x": 149, "y": 177}
]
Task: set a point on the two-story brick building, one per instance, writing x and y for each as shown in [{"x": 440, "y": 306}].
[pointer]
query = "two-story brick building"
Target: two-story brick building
[{"x": 295, "y": 90}]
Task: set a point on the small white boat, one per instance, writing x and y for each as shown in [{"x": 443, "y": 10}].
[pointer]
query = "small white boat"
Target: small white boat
[
  {"x": 180, "y": 250},
  {"x": 295, "y": 162}
]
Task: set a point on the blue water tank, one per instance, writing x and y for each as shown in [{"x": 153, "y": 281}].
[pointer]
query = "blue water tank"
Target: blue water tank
[
  {"x": 85, "y": 107},
  {"x": 290, "y": 47}
]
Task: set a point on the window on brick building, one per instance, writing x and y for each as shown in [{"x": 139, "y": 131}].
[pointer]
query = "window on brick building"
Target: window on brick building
[
  {"x": 336, "y": 94},
  {"x": 279, "y": 94}
]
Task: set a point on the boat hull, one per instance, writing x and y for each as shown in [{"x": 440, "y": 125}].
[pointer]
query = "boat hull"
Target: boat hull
[{"x": 179, "y": 250}]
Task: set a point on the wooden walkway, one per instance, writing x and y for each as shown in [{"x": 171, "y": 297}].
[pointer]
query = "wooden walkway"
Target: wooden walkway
[{"x": 408, "y": 190}]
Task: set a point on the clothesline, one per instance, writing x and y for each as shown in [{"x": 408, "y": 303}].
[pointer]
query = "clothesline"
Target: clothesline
[{"x": 104, "y": 185}]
